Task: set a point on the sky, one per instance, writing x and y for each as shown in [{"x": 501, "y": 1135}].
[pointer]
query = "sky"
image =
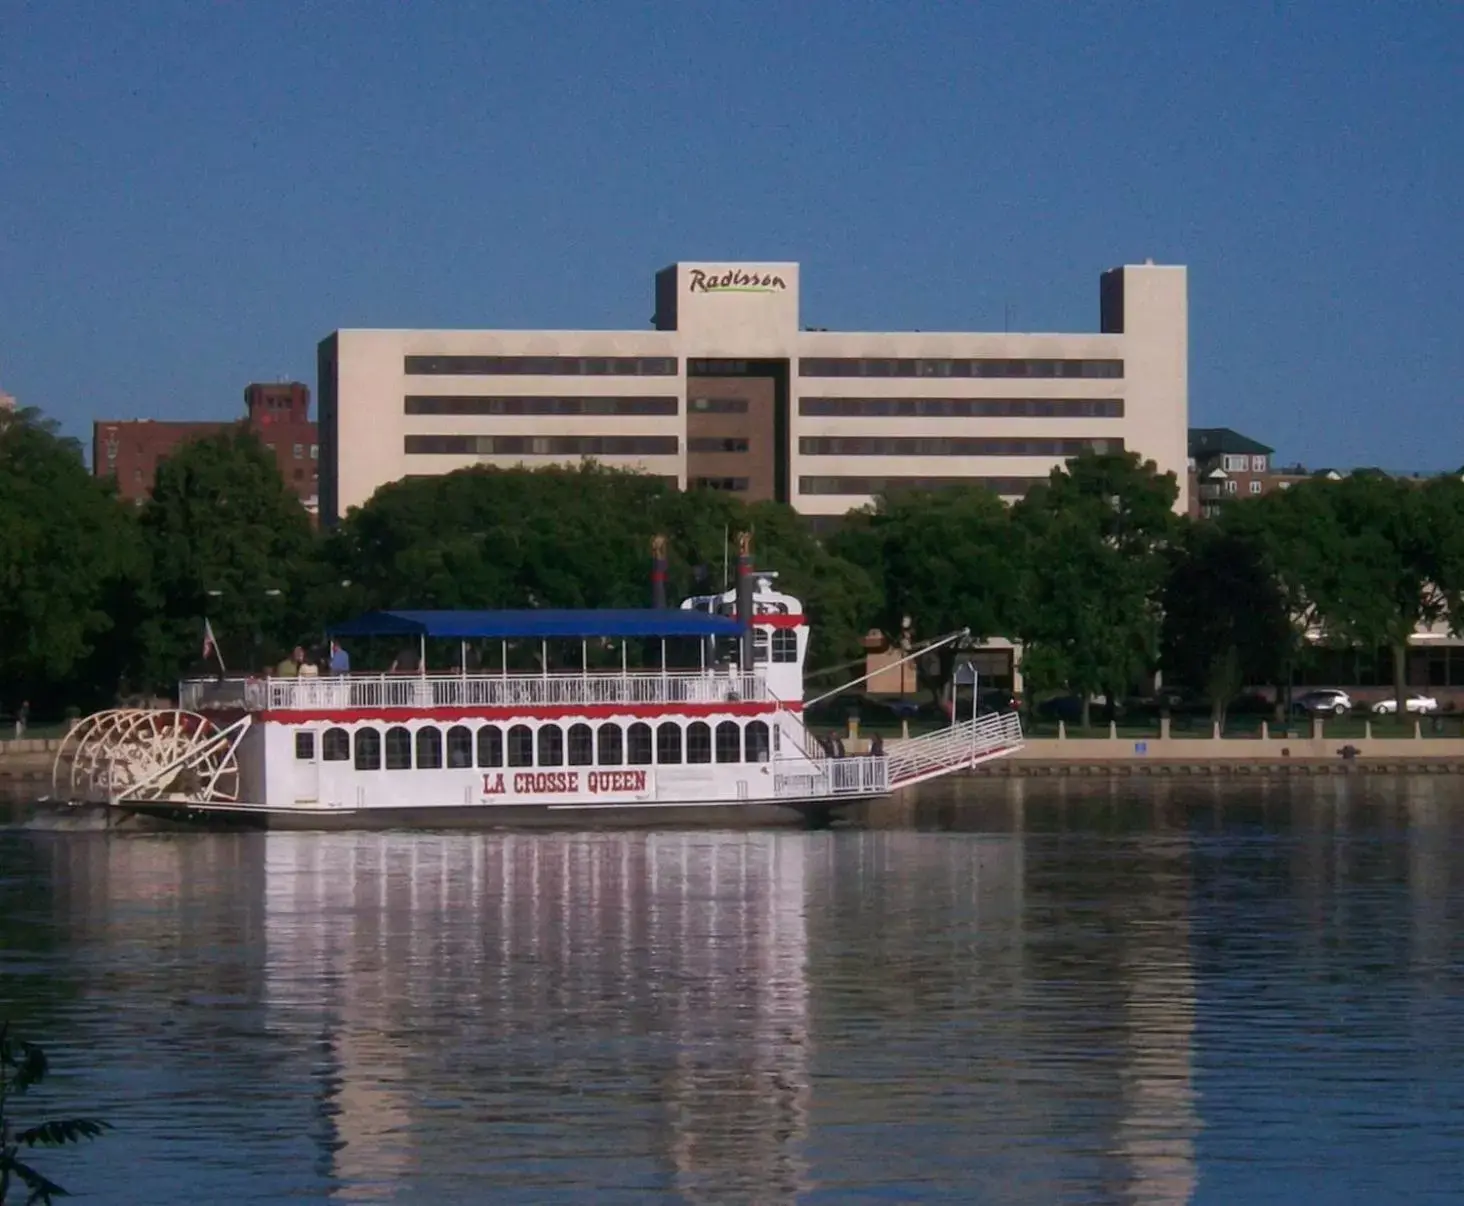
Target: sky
[{"x": 193, "y": 194}]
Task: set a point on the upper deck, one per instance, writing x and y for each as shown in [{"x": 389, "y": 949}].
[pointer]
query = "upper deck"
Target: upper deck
[{"x": 381, "y": 692}]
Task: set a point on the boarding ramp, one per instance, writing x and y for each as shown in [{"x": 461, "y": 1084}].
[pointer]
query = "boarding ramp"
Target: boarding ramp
[{"x": 959, "y": 747}]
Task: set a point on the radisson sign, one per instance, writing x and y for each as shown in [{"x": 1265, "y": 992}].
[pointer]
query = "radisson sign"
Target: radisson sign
[{"x": 736, "y": 280}]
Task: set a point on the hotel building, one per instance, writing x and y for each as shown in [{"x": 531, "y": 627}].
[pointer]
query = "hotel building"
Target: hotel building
[{"x": 728, "y": 391}]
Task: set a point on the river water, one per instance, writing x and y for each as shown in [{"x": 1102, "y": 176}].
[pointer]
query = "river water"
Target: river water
[{"x": 1006, "y": 992}]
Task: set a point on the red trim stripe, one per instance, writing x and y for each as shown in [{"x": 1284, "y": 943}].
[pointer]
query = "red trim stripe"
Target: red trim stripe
[
  {"x": 596, "y": 712},
  {"x": 777, "y": 621}
]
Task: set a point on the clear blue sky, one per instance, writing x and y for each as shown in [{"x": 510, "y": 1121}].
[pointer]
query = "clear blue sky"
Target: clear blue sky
[{"x": 192, "y": 194}]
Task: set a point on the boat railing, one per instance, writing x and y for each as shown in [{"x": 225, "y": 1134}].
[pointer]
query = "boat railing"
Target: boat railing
[
  {"x": 382, "y": 691},
  {"x": 820, "y": 778}
]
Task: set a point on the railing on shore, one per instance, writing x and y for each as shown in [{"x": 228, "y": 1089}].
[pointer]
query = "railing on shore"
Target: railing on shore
[
  {"x": 959, "y": 746},
  {"x": 367, "y": 691}
]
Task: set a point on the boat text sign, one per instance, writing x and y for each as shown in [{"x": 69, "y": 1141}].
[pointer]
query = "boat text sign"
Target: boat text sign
[{"x": 635, "y": 784}]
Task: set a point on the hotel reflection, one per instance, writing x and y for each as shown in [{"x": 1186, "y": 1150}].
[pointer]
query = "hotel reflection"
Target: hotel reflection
[{"x": 645, "y": 993}]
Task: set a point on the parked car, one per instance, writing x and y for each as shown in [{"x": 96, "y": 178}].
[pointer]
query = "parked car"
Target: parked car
[
  {"x": 1326, "y": 701},
  {"x": 1417, "y": 705}
]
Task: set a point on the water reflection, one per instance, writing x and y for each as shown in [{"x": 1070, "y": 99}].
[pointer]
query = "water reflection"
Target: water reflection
[{"x": 1145, "y": 993}]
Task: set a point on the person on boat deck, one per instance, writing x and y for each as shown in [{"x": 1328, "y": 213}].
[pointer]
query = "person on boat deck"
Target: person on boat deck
[
  {"x": 405, "y": 662},
  {"x": 290, "y": 666},
  {"x": 340, "y": 660},
  {"x": 307, "y": 666}
]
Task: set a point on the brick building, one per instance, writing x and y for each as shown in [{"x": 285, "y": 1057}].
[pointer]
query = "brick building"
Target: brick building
[
  {"x": 279, "y": 415},
  {"x": 1225, "y": 465}
]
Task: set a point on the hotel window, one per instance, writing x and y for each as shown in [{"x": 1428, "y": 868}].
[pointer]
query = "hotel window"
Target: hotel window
[
  {"x": 467, "y": 445},
  {"x": 717, "y": 444},
  {"x": 539, "y": 366},
  {"x": 962, "y": 408},
  {"x": 490, "y": 746},
  {"x": 454, "y": 404},
  {"x": 1258, "y": 464},
  {"x": 861, "y": 486},
  {"x": 951, "y": 446},
  {"x": 1236, "y": 464},
  {"x": 314, "y": 452},
  {"x": 299, "y": 451},
  {"x": 877, "y": 366},
  {"x": 718, "y": 406},
  {"x": 1232, "y": 486},
  {"x": 368, "y": 749},
  {"x": 732, "y": 484},
  {"x": 1255, "y": 487}
]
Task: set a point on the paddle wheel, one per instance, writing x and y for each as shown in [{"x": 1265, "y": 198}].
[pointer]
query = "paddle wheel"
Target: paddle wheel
[{"x": 149, "y": 754}]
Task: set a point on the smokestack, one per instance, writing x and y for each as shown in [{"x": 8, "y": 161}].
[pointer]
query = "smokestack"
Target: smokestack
[
  {"x": 658, "y": 571},
  {"x": 744, "y": 597}
]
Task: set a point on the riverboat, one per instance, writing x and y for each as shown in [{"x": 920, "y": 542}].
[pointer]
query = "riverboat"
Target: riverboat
[{"x": 723, "y": 741}]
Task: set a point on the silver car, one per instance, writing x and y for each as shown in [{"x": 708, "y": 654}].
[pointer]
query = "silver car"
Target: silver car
[
  {"x": 1325, "y": 701},
  {"x": 1417, "y": 705}
]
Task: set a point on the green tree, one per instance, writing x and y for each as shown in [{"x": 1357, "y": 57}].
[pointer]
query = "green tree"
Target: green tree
[
  {"x": 23, "y": 1065},
  {"x": 1094, "y": 535},
  {"x": 227, "y": 541},
  {"x": 67, "y": 546},
  {"x": 1224, "y": 616},
  {"x": 944, "y": 559}
]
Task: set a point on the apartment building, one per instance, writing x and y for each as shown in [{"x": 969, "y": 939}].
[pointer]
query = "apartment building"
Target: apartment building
[
  {"x": 728, "y": 391},
  {"x": 279, "y": 414}
]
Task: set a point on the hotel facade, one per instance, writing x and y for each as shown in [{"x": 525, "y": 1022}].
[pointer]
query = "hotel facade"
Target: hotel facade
[{"x": 728, "y": 391}]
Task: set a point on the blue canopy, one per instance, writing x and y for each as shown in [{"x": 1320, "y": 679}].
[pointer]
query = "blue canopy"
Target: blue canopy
[{"x": 541, "y": 624}]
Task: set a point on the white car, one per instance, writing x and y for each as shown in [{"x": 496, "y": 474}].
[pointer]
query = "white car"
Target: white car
[{"x": 1417, "y": 705}]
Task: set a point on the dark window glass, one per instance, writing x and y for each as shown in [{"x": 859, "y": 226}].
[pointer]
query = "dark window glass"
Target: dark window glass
[
  {"x": 698, "y": 741},
  {"x": 429, "y": 748},
  {"x": 305, "y": 747},
  {"x": 459, "y": 746},
  {"x": 867, "y": 366},
  {"x": 610, "y": 742},
  {"x": 886, "y": 485},
  {"x": 718, "y": 406},
  {"x": 733, "y": 484},
  {"x": 581, "y": 745},
  {"x": 717, "y": 444},
  {"x": 962, "y": 408},
  {"x": 490, "y": 746},
  {"x": 516, "y": 445},
  {"x": 668, "y": 743},
  {"x": 368, "y": 749},
  {"x": 756, "y": 738},
  {"x": 953, "y": 446},
  {"x": 638, "y": 744},
  {"x": 398, "y": 748},
  {"x": 721, "y": 368},
  {"x": 335, "y": 746},
  {"x": 539, "y": 366},
  {"x": 551, "y": 745},
  {"x": 729, "y": 741},
  {"x": 785, "y": 645},
  {"x": 521, "y": 745},
  {"x": 533, "y": 404}
]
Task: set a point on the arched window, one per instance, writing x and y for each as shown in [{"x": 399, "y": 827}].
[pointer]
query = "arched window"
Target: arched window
[
  {"x": 521, "y": 745},
  {"x": 668, "y": 743},
  {"x": 551, "y": 745},
  {"x": 610, "y": 742},
  {"x": 490, "y": 745},
  {"x": 756, "y": 741},
  {"x": 581, "y": 745},
  {"x": 335, "y": 746},
  {"x": 698, "y": 741},
  {"x": 785, "y": 645},
  {"x": 638, "y": 744},
  {"x": 729, "y": 742},
  {"x": 398, "y": 748},
  {"x": 368, "y": 749},
  {"x": 429, "y": 748},
  {"x": 459, "y": 747}
]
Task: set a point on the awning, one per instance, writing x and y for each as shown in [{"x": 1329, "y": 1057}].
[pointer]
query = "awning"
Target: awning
[{"x": 540, "y": 624}]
